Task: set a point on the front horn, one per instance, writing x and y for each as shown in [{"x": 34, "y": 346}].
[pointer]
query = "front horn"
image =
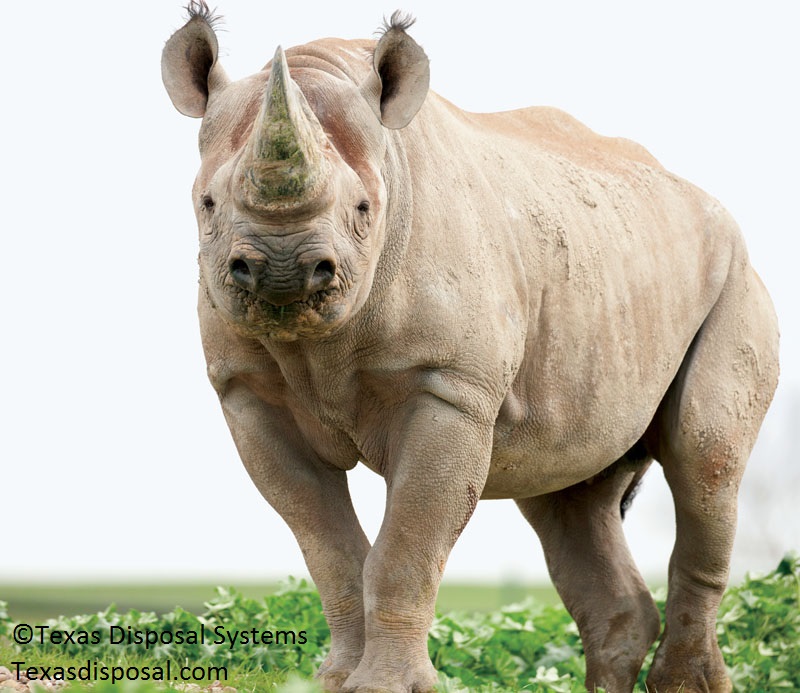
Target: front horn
[{"x": 283, "y": 168}]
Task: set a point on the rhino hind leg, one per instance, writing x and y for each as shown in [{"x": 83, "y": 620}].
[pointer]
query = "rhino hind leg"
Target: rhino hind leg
[
  {"x": 580, "y": 528},
  {"x": 702, "y": 435}
]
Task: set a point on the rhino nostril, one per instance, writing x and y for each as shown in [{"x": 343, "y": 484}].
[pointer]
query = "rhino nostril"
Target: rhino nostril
[
  {"x": 323, "y": 276},
  {"x": 324, "y": 270},
  {"x": 240, "y": 266},
  {"x": 241, "y": 274}
]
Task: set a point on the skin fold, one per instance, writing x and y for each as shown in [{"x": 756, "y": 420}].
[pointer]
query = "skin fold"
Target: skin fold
[{"x": 474, "y": 306}]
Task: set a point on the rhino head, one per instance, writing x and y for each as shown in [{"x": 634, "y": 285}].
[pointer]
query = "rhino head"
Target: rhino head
[{"x": 292, "y": 196}]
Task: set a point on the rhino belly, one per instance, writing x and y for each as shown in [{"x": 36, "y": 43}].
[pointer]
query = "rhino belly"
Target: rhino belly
[{"x": 539, "y": 449}]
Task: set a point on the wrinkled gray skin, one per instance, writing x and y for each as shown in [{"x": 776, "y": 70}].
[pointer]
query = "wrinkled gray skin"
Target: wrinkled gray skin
[{"x": 474, "y": 306}]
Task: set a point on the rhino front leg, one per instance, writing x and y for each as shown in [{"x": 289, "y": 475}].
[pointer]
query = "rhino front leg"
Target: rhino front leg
[
  {"x": 434, "y": 479},
  {"x": 314, "y": 500}
]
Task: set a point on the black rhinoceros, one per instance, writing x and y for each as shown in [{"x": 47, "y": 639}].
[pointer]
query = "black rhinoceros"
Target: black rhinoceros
[{"x": 500, "y": 305}]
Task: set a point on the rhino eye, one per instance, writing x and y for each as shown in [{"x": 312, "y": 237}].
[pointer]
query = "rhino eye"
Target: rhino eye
[
  {"x": 363, "y": 206},
  {"x": 207, "y": 203}
]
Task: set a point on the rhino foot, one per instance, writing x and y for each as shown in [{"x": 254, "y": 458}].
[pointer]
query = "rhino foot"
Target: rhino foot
[
  {"x": 414, "y": 678},
  {"x": 332, "y": 681},
  {"x": 333, "y": 673},
  {"x": 675, "y": 670}
]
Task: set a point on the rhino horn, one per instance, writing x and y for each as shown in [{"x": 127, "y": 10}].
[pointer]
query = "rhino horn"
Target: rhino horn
[{"x": 284, "y": 168}]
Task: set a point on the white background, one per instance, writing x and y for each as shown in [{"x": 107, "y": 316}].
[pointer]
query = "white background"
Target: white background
[{"x": 115, "y": 462}]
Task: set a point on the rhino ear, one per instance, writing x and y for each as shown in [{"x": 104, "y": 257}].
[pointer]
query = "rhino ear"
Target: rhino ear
[
  {"x": 189, "y": 66},
  {"x": 398, "y": 83}
]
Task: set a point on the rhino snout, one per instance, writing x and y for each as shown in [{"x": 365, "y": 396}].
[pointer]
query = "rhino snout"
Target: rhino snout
[{"x": 281, "y": 284}]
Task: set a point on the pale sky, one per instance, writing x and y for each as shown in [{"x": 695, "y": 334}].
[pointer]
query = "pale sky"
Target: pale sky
[{"x": 115, "y": 461}]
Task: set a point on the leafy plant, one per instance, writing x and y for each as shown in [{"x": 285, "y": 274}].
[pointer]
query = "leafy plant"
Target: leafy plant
[
  {"x": 759, "y": 630},
  {"x": 524, "y": 646}
]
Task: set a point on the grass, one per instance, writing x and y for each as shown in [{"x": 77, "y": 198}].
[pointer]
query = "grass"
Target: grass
[
  {"x": 529, "y": 646},
  {"x": 36, "y": 603}
]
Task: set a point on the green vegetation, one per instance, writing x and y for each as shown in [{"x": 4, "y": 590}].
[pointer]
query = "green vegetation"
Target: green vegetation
[
  {"x": 37, "y": 603},
  {"x": 528, "y": 646}
]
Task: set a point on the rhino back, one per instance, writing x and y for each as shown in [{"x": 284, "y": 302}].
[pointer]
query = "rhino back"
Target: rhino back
[{"x": 585, "y": 268}]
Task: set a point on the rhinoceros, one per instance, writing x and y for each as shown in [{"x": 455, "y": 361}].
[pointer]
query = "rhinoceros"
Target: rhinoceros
[{"x": 499, "y": 305}]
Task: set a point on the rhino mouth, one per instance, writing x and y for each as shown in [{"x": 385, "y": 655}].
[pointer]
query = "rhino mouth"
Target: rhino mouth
[{"x": 306, "y": 317}]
